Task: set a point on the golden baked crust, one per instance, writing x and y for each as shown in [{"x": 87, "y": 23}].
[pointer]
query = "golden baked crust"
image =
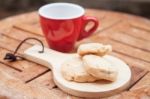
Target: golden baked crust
[
  {"x": 99, "y": 67},
  {"x": 94, "y": 48},
  {"x": 73, "y": 70}
]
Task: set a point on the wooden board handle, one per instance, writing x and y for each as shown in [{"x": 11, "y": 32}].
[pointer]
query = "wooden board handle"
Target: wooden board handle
[{"x": 49, "y": 58}]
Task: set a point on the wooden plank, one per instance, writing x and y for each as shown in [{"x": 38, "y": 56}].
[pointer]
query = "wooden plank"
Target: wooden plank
[
  {"x": 134, "y": 42},
  {"x": 7, "y": 92},
  {"x": 3, "y": 97},
  {"x": 91, "y": 12},
  {"x": 121, "y": 33},
  {"x": 141, "y": 25},
  {"x": 142, "y": 93},
  {"x": 16, "y": 89},
  {"x": 61, "y": 94},
  {"x": 21, "y": 35},
  {"x": 11, "y": 44},
  {"x": 32, "y": 72},
  {"x": 28, "y": 69},
  {"x": 133, "y": 61},
  {"x": 21, "y": 65},
  {"x": 130, "y": 51},
  {"x": 34, "y": 29},
  {"x": 137, "y": 21},
  {"x": 74, "y": 97},
  {"x": 126, "y": 28},
  {"x": 10, "y": 70},
  {"x": 145, "y": 81},
  {"x": 138, "y": 33},
  {"x": 18, "y": 66},
  {"x": 137, "y": 74},
  {"x": 141, "y": 90},
  {"x": 107, "y": 22},
  {"x": 45, "y": 80},
  {"x": 28, "y": 18}
]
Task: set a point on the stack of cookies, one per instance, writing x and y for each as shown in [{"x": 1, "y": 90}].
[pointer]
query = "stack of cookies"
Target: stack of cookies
[{"x": 90, "y": 65}]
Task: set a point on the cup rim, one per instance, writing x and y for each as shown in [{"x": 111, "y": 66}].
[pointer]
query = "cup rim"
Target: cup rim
[{"x": 40, "y": 11}]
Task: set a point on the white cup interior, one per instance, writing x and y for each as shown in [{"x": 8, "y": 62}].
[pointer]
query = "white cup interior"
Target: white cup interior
[{"x": 61, "y": 11}]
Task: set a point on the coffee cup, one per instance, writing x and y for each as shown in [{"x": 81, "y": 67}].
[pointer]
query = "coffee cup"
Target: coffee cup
[{"x": 63, "y": 24}]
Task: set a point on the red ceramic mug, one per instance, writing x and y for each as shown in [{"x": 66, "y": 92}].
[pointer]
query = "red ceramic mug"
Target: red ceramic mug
[{"x": 63, "y": 24}]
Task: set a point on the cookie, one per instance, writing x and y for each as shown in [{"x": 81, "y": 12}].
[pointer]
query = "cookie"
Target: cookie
[
  {"x": 99, "y": 67},
  {"x": 94, "y": 48},
  {"x": 73, "y": 70}
]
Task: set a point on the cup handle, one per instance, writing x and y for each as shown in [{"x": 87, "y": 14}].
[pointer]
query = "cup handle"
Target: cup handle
[{"x": 86, "y": 20}]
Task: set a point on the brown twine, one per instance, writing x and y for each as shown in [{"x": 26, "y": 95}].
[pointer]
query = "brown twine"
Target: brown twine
[{"x": 13, "y": 57}]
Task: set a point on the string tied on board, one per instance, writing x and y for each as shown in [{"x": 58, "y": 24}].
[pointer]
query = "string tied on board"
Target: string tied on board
[{"x": 11, "y": 57}]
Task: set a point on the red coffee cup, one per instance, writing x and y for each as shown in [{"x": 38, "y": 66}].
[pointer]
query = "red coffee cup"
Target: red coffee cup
[{"x": 63, "y": 24}]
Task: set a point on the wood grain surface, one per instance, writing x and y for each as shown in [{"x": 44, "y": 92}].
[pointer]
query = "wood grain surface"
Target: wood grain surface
[{"x": 129, "y": 35}]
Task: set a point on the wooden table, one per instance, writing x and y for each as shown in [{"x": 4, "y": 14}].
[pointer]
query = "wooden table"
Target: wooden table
[{"x": 129, "y": 35}]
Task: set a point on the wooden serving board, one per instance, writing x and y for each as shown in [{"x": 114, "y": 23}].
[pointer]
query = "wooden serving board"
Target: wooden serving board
[
  {"x": 129, "y": 36},
  {"x": 54, "y": 60}
]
